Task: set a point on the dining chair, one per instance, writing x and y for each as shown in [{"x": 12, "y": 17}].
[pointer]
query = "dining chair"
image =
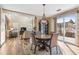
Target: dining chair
[
  {"x": 21, "y": 34},
  {"x": 22, "y": 30},
  {"x": 35, "y": 42},
  {"x": 53, "y": 42}
]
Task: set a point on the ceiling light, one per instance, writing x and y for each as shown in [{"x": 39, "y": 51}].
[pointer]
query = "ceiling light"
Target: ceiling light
[
  {"x": 58, "y": 10},
  {"x": 43, "y": 12}
]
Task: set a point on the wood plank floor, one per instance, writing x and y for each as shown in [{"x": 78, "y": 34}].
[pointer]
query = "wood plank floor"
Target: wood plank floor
[
  {"x": 21, "y": 47},
  {"x": 13, "y": 46}
]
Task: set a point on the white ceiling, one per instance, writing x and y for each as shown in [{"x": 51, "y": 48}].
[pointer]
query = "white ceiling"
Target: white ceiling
[{"x": 37, "y": 9}]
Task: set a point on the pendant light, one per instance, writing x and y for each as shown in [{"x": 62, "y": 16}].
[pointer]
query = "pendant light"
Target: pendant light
[{"x": 43, "y": 18}]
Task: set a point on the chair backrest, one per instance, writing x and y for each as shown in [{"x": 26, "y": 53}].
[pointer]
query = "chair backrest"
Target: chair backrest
[
  {"x": 33, "y": 37},
  {"x": 54, "y": 37},
  {"x": 38, "y": 33},
  {"x": 27, "y": 34},
  {"x": 22, "y": 30}
]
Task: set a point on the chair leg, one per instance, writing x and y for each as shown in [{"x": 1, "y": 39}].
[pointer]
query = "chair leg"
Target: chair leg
[
  {"x": 56, "y": 50},
  {"x": 31, "y": 47},
  {"x": 50, "y": 50},
  {"x": 21, "y": 37},
  {"x": 35, "y": 49}
]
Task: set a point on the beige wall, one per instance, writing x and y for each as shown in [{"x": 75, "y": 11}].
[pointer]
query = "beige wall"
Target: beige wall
[
  {"x": 51, "y": 24},
  {"x": 36, "y": 21}
]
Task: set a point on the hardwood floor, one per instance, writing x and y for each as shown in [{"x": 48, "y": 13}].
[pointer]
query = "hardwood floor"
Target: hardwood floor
[{"x": 16, "y": 46}]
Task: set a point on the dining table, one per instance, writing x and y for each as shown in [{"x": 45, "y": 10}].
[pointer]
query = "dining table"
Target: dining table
[{"x": 44, "y": 39}]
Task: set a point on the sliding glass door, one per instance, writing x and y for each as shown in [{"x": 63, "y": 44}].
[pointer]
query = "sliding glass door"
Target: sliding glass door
[
  {"x": 70, "y": 28},
  {"x": 66, "y": 27}
]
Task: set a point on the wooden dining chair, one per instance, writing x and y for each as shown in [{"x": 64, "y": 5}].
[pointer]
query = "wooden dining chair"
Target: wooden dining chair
[
  {"x": 21, "y": 34},
  {"x": 53, "y": 42}
]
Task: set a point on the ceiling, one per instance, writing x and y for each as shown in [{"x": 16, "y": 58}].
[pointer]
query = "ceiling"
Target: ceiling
[{"x": 37, "y": 9}]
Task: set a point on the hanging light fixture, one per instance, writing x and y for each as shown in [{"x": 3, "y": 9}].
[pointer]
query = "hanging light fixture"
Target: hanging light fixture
[
  {"x": 43, "y": 12},
  {"x": 44, "y": 17}
]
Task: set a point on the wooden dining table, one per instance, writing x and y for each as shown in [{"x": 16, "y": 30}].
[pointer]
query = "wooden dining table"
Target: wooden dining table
[{"x": 44, "y": 39}]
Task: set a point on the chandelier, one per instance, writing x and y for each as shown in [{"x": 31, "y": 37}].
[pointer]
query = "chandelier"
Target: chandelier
[
  {"x": 43, "y": 12},
  {"x": 43, "y": 20}
]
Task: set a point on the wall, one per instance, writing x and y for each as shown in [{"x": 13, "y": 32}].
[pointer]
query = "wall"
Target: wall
[
  {"x": 36, "y": 22},
  {"x": 51, "y": 24}
]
